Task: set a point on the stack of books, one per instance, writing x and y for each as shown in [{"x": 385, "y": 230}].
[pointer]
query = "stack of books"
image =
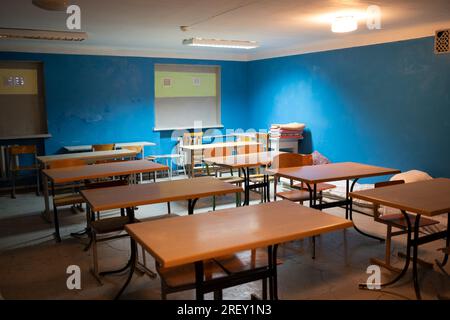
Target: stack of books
[{"x": 291, "y": 130}]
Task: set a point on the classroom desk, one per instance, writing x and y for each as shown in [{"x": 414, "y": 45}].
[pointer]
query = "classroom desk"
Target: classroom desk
[
  {"x": 150, "y": 193},
  {"x": 245, "y": 162},
  {"x": 88, "y": 147},
  {"x": 86, "y": 156},
  {"x": 428, "y": 198},
  {"x": 312, "y": 175},
  {"x": 80, "y": 173},
  {"x": 201, "y": 147},
  {"x": 211, "y": 235}
]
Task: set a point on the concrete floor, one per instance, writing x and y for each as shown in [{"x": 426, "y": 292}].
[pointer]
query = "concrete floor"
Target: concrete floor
[{"x": 33, "y": 266}]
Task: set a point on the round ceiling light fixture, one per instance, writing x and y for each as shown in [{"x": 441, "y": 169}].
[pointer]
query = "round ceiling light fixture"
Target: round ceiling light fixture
[
  {"x": 53, "y": 5},
  {"x": 343, "y": 24}
]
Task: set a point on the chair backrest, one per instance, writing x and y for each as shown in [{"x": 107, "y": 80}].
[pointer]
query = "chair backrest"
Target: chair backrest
[
  {"x": 288, "y": 160},
  {"x": 249, "y": 149},
  {"x": 18, "y": 150},
  {"x": 63, "y": 163},
  {"x": 218, "y": 152},
  {"x": 192, "y": 138},
  {"x": 103, "y": 147},
  {"x": 376, "y": 212},
  {"x": 388, "y": 183}
]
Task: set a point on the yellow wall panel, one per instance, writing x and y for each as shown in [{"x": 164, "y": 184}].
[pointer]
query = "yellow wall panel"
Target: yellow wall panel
[{"x": 18, "y": 81}]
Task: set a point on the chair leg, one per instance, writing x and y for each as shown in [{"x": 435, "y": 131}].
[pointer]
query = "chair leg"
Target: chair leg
[
  {"x": 56, "y": 223},
  {"x": 95, "y": 259},
  {"x": 38, "y": 183},
  {"x": 218, "y": 295},
  {"x": 169, "y": 211},
  {"x": 13, "y": 181},
  {"x": 214, "y": 203}
]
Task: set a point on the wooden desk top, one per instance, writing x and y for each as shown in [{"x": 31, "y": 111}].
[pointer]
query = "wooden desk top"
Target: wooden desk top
[
  {"x": 220, "y": 145},
  {"x": 89, "y": 156},
  {"x": 430, "y": 197},
  {"x": 70, "y": 174},
  {"x": 149, "y": 193},
  {"x": 187, "y": 239},
  {"x": 332, "y": 172},
  {"x": 244, "y": 160},
  {"x": 88, "y": 147}
]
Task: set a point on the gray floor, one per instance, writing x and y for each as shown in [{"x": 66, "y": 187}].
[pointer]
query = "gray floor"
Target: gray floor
[{"x": 33, "y": 266}]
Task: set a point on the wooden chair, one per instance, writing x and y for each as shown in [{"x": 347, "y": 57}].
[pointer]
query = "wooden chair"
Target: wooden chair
[
  {"x": 288, "y": 160},
  {"x": 15, "y": 153},
  {"x": 137, "y": 149},
  {"x": 214, "y": 171},
  {"x": 182, "y": 278},
  {"x": 189, "y": 139},
  {"x": 245, "y": 261},
  {"x": 106, "y": 226},
  {"x": 72, "y": 198},
  {"x": 264, "y": 139},
  {"x": 398, "y": 221}
]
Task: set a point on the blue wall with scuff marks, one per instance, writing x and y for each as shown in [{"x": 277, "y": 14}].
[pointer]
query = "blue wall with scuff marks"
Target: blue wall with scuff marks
[
  {"x": 385, "y": 104},
  {"x": 103, "y": 99}
]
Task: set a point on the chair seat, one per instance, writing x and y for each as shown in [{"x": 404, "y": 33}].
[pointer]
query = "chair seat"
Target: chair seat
[
  {"x": 245, "y": 260},
  {"x": 399, "y": 221},
  {"x": 259, "y": 177},
  {"x": 294, "y": 195},
  {"x": 185, "y": 275},
  {"x": 320, "y": 186},
  {"x": 108, "y": 225},
  {"x": 67, "y": 199},
  {"x": 231, "y": 179},
  {"x": 162, "y": 216}
]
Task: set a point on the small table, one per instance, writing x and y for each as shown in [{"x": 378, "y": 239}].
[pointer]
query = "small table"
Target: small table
[
  {"x": 312, "y": 175},
  {"x": 210, "y": 235},
  {"x": 245, "y": 162},
  {"x": 428, "y": 198},
  {"x": 201, "y": 147},
  {"x": 80, "y": 173}
]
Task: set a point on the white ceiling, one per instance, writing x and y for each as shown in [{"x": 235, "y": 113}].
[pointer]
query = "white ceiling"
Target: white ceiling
[{"x": 282, "y": 27}]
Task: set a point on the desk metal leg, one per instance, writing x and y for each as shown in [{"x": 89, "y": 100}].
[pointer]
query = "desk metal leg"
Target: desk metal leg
[
  {"x": 46, "y": 213},
  {"x": 350, "y": 212},
  {"x": 415, "y": 253},
  {"x": 191, "y": 205},
  {"x": 407, "y": 260},
  {"x": 132, "y": 268},
  {"x": 199, "y": 274}
]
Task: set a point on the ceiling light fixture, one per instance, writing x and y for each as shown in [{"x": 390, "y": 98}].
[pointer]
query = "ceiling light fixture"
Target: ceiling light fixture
[
  {"x": 53, "y": 5},
  {"x": 216, "y": 43},
  {"x": 33, "y": 34},
  {"x": 343, "y": 24}
]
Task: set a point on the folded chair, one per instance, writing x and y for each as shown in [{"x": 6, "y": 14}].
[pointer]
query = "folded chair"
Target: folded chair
[
  {"x": 14, "y": 154},
  {"x": 398, "y": 221}
]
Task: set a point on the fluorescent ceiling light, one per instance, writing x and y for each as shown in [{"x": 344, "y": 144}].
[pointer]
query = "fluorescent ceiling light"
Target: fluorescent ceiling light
[
  {"x": 344, "y": 24},
  {"x": 216, "y": 43},
  {"x": 54, "y": 5},
  {"x": 7, "y": 33}
]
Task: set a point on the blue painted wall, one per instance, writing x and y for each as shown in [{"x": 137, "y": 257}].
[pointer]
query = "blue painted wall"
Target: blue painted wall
[
  {"x": 101, "y": 99},
  {"x": 385, "y": 104}
]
